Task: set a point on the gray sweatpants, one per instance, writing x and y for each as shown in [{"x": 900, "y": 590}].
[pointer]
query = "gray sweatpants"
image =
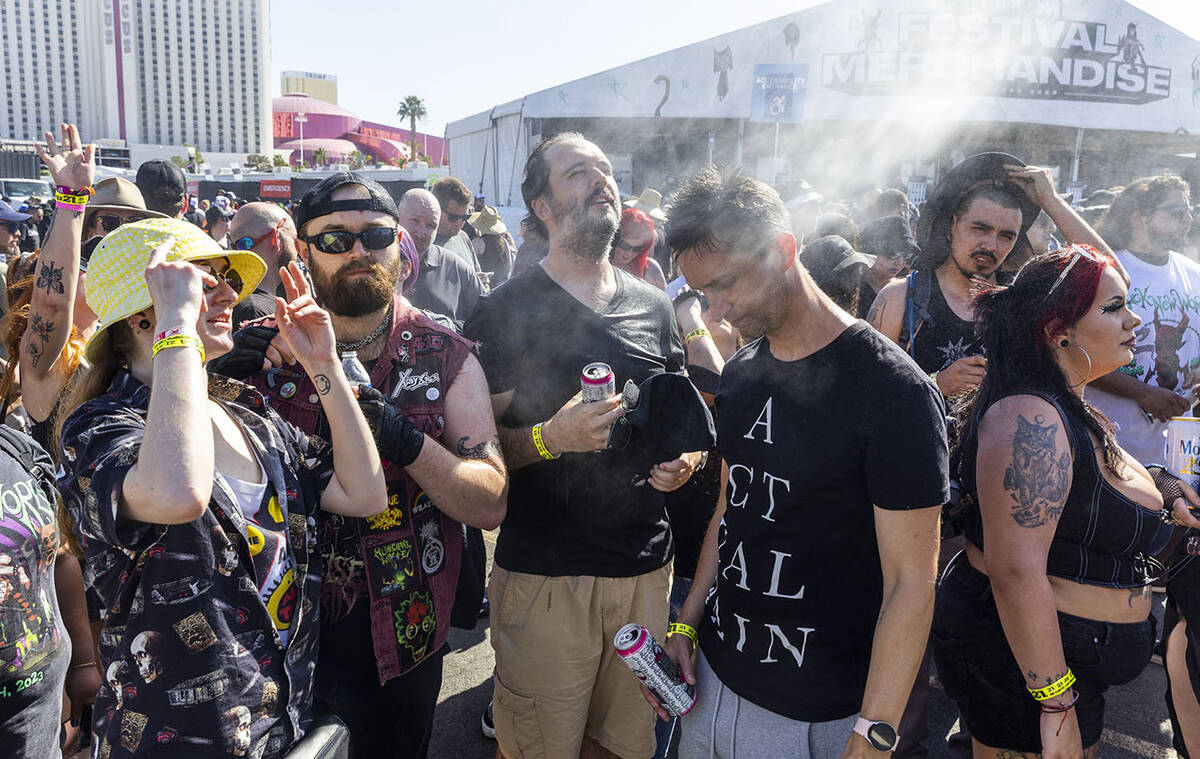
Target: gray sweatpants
[{"x": 723, "y": 725}]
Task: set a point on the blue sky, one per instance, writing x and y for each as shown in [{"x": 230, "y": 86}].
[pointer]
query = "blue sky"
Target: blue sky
[{"x": 473, "y": 54}]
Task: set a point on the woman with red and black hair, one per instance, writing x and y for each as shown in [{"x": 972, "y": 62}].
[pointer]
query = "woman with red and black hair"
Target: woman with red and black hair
[
  {"x": 1049, "y": 604},
  {"x": 631, "y": 249}
]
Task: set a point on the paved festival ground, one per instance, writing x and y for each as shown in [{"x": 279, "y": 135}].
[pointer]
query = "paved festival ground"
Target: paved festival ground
[{"x": 1136, "y": 714}]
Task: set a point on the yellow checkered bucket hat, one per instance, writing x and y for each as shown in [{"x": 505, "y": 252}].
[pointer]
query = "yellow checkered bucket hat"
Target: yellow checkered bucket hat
[{"x": 116, "y": 276}]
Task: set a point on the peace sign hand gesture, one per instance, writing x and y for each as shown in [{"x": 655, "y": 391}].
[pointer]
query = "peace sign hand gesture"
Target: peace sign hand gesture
[
  {"x": 70, "y": 164},
  {"x": 304, "y": 326}
]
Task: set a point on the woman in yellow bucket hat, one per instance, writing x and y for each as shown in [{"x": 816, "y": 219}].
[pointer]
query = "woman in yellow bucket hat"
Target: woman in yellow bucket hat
[{"x": 194, "y": 502}]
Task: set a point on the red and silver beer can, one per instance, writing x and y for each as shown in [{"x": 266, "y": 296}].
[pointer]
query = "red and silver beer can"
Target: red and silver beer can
[
  {"x": 654, "y": 668},
  {"x": 597, "y": 381}
]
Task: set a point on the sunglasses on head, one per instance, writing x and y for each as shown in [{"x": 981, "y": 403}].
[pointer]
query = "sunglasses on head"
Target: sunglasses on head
[
  {"x": 341, "y": 241},
  {"x": 1077, "y": 252},
  {"x": 110, "y": 222},
  {"x": 248, "y": 243},
  {"x": 455, "y": 218}
]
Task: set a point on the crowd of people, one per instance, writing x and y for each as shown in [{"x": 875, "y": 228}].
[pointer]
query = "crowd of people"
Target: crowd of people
[{"x": 250, "y": 449}]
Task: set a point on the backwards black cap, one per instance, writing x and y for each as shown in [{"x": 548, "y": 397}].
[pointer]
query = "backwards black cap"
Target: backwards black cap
[{"x": 319, "y": 200}]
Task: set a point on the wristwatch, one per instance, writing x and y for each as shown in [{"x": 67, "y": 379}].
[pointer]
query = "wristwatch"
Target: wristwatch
[{"x": 880, "y": 735}]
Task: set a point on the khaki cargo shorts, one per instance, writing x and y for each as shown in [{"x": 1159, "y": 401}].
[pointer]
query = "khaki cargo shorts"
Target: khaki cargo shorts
[{"x": 558, "y": 677}]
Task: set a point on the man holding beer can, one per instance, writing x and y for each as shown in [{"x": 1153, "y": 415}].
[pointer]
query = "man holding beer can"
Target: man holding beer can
[
  {"x": 583, "y": 549},
  {"x": 814, "y": 590}
]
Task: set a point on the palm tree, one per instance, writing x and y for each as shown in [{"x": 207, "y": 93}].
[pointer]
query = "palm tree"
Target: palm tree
[
  {"x": 356, "y": 159},
  {"x": 413, "y": 109},
  {"x": 320, "y": 157}
]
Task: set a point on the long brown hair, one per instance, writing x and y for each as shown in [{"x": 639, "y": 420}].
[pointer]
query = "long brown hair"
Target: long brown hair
[{"x": 93, "y": 381}]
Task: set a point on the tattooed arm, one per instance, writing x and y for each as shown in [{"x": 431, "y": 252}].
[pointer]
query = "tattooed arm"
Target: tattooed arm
[
  {"x": 466, "y": 478},
  {"x": 55, "y": 278},
  {"x": 887, "y": 312},
  {"x": 1024, "y": 472}
]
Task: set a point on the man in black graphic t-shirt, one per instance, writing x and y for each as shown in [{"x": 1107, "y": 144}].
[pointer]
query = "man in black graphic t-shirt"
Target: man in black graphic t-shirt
[{"x": 814, "y": 590}]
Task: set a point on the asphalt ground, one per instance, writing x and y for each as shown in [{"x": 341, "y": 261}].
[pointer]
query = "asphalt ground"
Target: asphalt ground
[{"x": 1136, "y": 724}]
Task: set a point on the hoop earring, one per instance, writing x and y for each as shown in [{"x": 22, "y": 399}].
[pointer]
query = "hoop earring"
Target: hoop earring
[{"x": 1089, "y": 369}]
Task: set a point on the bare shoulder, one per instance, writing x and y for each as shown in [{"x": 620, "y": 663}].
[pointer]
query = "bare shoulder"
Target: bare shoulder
[
  {"x": 893, "y": 290},
  {"x": 885, "y": 312},
  {"x": 1011, "y": 413}
]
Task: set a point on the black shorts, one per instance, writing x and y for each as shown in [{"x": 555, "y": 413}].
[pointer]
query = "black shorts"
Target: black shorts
[{"x": 977, "y": 668}]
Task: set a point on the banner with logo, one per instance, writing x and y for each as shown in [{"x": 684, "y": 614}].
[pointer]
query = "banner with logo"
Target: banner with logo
[
  {"x": 1100, "y": 64},
  {"x": 275, "y": 188}
]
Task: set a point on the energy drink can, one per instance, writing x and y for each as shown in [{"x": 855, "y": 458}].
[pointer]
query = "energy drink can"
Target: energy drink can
[
  {"x": 598, "y": 382},
  {"x": 1183, "y": 449},
  {"x": 646, "y": 659}
]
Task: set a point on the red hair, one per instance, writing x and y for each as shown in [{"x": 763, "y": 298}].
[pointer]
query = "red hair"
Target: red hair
[
  {"x": 1079, "y": 269},
  {"x": 635, "y": 220}
]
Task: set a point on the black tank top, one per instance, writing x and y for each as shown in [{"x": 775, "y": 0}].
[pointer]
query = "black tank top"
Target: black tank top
[
  {"x": 1103, "y": 536},
  {"x": 939, "y": 336}
]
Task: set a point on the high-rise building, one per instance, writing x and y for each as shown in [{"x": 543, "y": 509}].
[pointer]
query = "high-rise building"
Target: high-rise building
[
  {"x": 45, "y": 81},
  {"x": 319, "y": 86},
  {"x": 145, "y": 71}
]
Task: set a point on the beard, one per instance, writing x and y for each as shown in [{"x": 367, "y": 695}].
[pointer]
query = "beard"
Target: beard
[
  {"x": 358, "y": 297},
  {"x": 587, "y": 236},
  {"x": 770, "y": 314},
  {"x": 972, "y": 269},
  {"x": 1164, "y": 241}
]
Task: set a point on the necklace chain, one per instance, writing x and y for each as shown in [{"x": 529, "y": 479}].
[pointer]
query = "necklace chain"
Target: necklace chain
[{"x": 383, "y": 325}]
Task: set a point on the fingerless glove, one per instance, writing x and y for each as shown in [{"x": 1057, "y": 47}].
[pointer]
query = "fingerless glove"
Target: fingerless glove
[{"x": 398, "y": 439}]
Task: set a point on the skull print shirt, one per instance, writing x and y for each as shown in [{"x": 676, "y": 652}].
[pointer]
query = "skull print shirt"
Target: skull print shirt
[{"x": 193, "y": 662}]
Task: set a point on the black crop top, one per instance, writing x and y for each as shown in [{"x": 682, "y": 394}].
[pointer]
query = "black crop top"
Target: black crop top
[{"x": 1103, "y": 537}]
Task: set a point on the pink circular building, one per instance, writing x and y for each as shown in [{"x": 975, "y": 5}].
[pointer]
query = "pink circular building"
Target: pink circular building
[{"x": 339, "y": 133}]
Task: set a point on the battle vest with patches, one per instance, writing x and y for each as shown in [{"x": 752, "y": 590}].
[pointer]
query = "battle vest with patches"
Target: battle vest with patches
[{"x": 403, "y": 563}]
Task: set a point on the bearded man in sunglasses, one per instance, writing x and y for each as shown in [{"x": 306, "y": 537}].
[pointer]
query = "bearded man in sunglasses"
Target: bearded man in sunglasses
[{"x": 389, "y": 581}]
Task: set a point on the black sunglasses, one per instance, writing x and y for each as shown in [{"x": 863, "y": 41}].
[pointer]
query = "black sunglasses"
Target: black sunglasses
[
  {"x": 457, "y": 217},
  {"x": 626, "y": 246},
  {"x": 341, "y": 241},
  {"x": 110, "y": 222}
]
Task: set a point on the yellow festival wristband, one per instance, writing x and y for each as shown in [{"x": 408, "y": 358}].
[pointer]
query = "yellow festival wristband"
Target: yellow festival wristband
[
  {"x": 695, "y": 334},
  {"x": 179, "y": 341},
  {"x": 686, "y": 631},
  {"x": 542, "y": 450},
  {"x": 1056, "y": 688}
]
